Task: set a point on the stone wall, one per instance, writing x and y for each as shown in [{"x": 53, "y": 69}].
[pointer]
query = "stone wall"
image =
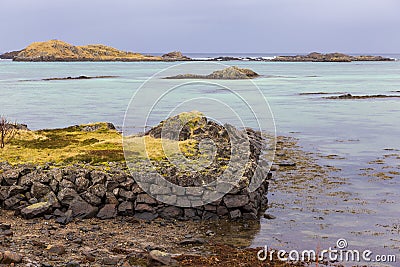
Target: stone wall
[{"x": 89, "y": 191}]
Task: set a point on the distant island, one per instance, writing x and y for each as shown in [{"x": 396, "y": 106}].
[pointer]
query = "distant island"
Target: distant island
[{"x": 56, "y": 50}]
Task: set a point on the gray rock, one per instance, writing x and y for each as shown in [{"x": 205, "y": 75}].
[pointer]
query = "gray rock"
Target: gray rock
[
  {"x": 171, "y": 212},
  {"x": 98, "y": 177},
  {"x": 209, "y": 216},
  {"x": 35, "y": 210},
  {"x": 64, "y": 218},
  {"x": 91, "y": 198},
  {"x": 98, "y": 190},
  {"x": 128, "y": 183},
  {"x": 109, "y": 211},
  {"x": 54, "y": 185},
  {"x": 234, "y": 201},
  {"x": 66, "y": 195},
  {"x": 67, "y": 184},
  {"x": 13, "y": 202},
  {"x": 222, "y": 211},
  {"x": 142, "y": 207},
  {"x": 81, "y": 209},
  {"x": 4, "y": 192},
  {"x": 126, "y": 195},
  {"x": 111, "y": 185},
  {"x": 82, "y": 184},
  {"x": 111, "y": 199},
  {"x": 52, "y": 199},
  {"x": 249, "y": 216},
  {"x": 11, "y": 176},
  {"x": 38, "y": 190},
  {"x": 125, "y": 208},
  {"x": 235, "y": 214},
  {"x": 145, "y": 198},
  {"x": 147, "y": 216},
  {"x": 14, "y": 190}
]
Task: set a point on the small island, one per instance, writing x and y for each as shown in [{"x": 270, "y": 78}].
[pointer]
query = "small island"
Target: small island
[
  {"x": 56, "y": 50},
  {"x": 229, "y": 73}
]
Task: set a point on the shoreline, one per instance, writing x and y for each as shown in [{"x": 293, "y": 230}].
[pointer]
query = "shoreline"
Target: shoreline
[{"x": 96, "y": 242}]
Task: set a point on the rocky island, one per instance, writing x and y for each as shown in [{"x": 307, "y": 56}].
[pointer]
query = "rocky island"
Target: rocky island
[
  {"x": 229, "y": 73},
  {"x": 56, "y": 50},
  {"x": 331, "y": 57}
]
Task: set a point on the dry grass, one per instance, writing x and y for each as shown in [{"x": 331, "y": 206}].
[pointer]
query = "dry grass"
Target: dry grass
[
  {"x": 74, "y": 145},
  {"x": 61, "y": 50}
]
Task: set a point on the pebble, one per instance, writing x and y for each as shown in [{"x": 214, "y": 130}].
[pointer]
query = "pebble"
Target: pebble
[{"x": 56, "y": 249}]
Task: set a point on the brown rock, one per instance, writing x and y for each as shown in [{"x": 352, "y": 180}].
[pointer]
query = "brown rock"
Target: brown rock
[
  {"x": 109, "y": 211},
  {"x": 56, "y": 249},
  {"x": 35, "y": 210},
  {"x": 9, "y": 257}
]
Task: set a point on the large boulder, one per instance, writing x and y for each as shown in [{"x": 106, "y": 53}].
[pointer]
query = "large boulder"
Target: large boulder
[{"x": 36, "y": 210}]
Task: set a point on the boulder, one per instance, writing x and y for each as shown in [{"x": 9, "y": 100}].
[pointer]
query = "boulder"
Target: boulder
[
  {"x": 39, "y": 190},
  {"x": 234, "y": 201},
  {"x": 66, "y": 195},
  {"x": 81, "y": 209},
  {"x": 109, "y": 211},
  {"x": 35, "y": 210}
]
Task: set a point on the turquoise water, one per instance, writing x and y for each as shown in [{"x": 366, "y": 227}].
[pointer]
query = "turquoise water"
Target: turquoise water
[{"x": 357, "y": 130}]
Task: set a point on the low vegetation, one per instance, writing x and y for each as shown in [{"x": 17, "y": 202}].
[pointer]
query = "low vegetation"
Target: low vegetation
[{"x": 91, "y": 143}]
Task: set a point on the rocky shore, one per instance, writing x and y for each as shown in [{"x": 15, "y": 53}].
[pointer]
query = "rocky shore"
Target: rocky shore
[{"x": 128, "y": 241}]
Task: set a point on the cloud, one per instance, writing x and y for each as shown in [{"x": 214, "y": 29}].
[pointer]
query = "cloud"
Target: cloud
[{"x": 207, "y": 26}]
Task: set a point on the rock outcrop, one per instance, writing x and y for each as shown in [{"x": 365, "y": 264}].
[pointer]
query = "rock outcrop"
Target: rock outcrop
[
  {"x": 10, "y": 55},
  {"x": 56, "y": 50},
  {"x": 229, "y": 73},
  {"x": 175, "y": 56}
]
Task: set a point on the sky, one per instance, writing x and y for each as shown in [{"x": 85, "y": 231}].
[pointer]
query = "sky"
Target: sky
[{"x": 206, "y": 26}]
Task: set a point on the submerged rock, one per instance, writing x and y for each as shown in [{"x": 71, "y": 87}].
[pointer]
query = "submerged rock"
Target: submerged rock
[{"x": 350, "y": 96}]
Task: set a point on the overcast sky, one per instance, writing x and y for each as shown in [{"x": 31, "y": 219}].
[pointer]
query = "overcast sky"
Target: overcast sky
[{"x": 261, "y": 26}]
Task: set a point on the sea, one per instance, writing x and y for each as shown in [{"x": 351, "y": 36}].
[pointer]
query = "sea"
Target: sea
[{"x": 360, "y": 138}]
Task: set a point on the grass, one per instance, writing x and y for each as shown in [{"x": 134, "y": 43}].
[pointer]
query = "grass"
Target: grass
[{"x": 75, "y": 145}]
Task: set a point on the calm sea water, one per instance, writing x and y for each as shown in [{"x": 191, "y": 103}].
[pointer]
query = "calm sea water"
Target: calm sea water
[{"x": 360, "y": 131}]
